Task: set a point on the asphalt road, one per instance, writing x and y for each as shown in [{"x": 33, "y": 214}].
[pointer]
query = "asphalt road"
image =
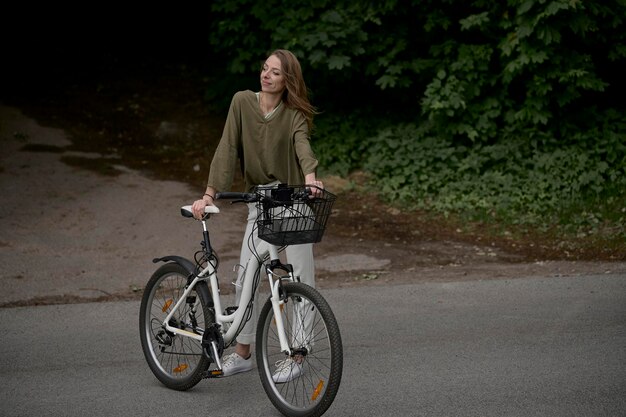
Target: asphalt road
[{"x": 524, "y": 347}]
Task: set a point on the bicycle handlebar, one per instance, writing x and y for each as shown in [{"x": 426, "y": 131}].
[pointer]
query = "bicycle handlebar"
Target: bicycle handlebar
[{"x": 239, "y": 197}]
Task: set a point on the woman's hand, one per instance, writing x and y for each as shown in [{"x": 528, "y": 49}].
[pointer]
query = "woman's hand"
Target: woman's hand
[
  {"x": 197, "y": 208},
  {"x": 316, "y": 184}
]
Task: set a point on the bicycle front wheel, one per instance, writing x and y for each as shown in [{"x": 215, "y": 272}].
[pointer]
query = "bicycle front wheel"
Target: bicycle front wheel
[
  {"x": 177, "y": 361},
  {"x": 306, "y": 382}
]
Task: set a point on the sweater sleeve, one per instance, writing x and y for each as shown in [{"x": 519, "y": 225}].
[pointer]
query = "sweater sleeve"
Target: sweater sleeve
[
  {"x": 224, "y": 161},
  {"x": 306, "y": 158}
]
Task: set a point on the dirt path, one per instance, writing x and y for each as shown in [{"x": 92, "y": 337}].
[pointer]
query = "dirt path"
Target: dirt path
[{"x": 69, "y": 234}]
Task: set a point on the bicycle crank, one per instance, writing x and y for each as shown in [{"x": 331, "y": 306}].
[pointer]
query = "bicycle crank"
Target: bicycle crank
[{"x": 213, "y": 348}]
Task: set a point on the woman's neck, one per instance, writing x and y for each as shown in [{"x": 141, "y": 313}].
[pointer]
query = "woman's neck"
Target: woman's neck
[{"x": 268, "y": 102}]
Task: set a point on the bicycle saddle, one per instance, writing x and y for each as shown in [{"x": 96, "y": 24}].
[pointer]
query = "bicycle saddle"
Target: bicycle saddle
[{"x": 186, "y": 210}]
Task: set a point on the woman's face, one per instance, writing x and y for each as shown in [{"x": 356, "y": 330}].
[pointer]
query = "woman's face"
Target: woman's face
[{"x": 272, "y": 78}]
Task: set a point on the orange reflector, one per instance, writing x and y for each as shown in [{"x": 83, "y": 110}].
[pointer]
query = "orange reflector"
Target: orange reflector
[
  {"x": 317, "y": 390},
  {"x": 180, "y": 368},
  {"x": 167, "y": 305}
]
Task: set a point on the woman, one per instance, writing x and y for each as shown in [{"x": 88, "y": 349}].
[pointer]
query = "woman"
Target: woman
[{"x": 268, "y": 132}]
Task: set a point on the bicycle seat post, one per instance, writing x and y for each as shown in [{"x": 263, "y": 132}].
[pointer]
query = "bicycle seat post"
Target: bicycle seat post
[{"x": 206, "y": 239}]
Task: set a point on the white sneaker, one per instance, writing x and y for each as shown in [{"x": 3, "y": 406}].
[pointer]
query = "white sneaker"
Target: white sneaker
[
  {"x": 233, "y": 364},
  {"x": 287, "y": 370}
]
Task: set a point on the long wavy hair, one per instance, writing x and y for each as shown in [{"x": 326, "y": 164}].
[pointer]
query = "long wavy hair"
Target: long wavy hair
[{"x": 296, "y": 95}]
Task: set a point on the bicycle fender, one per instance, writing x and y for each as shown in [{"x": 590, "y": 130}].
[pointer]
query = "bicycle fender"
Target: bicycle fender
[
  {"x": 201, "y": 287},
  {"x": 184, "y": 262}
]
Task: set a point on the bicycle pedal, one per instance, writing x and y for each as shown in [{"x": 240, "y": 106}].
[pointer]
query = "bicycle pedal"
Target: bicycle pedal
[{"x": 214, "y": 373}]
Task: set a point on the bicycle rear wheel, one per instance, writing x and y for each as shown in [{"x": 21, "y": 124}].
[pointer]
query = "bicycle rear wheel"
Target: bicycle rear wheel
[
  {"x": 310, "y": 378},
  {"x": 177, "y": 361}
]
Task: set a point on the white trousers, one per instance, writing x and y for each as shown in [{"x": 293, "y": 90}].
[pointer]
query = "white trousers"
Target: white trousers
[{"x": 300, "y": 256}]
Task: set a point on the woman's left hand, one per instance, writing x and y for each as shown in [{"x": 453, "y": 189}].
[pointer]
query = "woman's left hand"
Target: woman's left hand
[{"x": 315, "y": 184}]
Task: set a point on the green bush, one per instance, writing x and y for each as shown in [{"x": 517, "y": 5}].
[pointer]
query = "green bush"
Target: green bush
[
  {"x": 510, "y": 181},
  {"x": 510, "y": 110}
]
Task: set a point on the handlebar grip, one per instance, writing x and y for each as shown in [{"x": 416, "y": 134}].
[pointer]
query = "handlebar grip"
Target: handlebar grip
[
  {"x": 308, "y": 192},
  {"x": 228, "y": 195}
]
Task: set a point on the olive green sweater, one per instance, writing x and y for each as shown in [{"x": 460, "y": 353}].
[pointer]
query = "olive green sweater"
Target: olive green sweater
[{"x": 273, "y": 149}]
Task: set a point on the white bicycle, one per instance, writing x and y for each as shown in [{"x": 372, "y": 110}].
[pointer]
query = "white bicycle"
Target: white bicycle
[{"x": 184, "y": 329}]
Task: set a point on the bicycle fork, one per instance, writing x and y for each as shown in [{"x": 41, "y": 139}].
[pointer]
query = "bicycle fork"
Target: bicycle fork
[{"x": 279, "y": 297}]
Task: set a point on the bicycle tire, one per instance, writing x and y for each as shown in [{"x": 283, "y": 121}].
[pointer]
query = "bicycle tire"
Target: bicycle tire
[
  {"x": 312, "y": 393},
  {"x": 177, "y": 361}
]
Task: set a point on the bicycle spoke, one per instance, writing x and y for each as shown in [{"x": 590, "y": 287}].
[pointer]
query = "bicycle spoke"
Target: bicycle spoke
[
  {"x": 176, "y": 360},
  {"x": 315, "y": 342}
]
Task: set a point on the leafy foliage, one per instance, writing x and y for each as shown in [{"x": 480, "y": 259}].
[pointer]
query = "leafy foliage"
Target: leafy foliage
[
  {"x": 509, "y": 109},
  {"x": 509, "y": 181}
]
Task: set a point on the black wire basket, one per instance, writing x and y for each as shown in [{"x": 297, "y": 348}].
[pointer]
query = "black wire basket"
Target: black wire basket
[{"x": 293, "y": 215}]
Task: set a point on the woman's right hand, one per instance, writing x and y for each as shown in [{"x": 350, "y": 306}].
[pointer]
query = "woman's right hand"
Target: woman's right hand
[{"x": 197, "y": 208}]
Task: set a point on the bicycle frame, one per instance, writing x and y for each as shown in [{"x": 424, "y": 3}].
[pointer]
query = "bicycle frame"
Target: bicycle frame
[
  {"x": 235, "y": 319},
  {"x": 185, "y": 329}
]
